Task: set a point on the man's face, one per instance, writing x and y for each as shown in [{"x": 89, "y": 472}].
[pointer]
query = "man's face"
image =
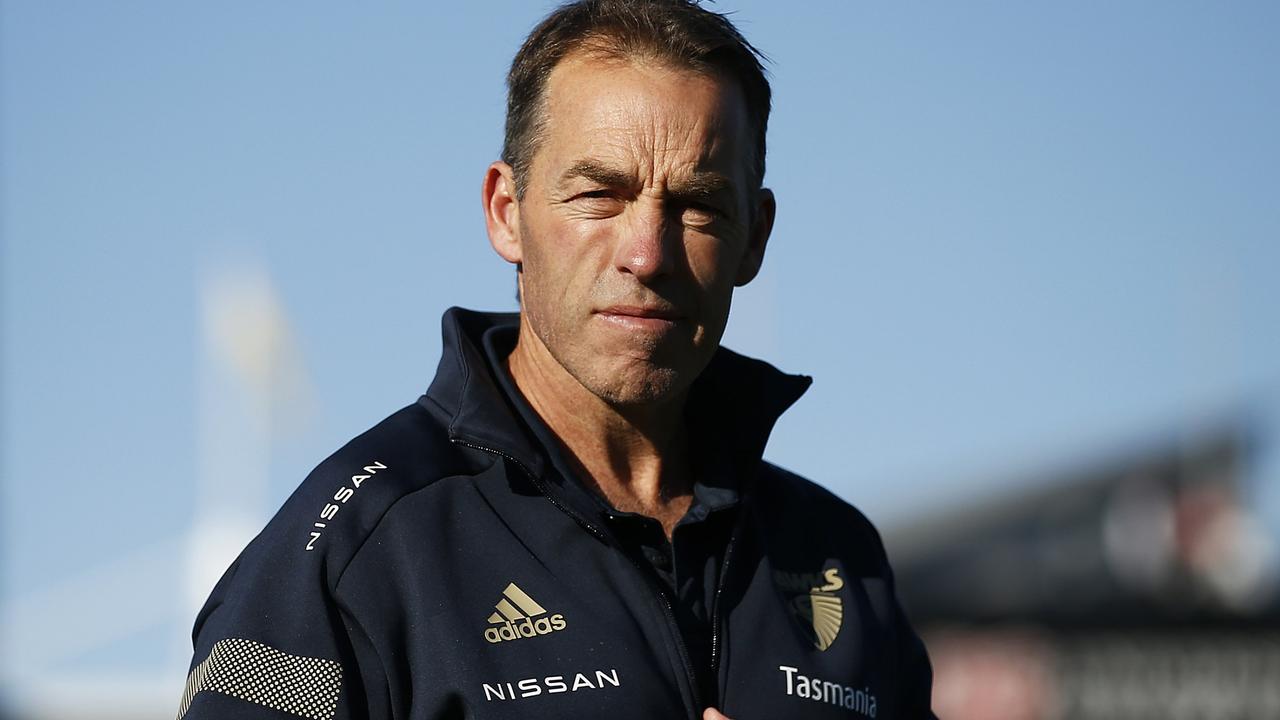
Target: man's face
[{"x": 636, "y": 224}]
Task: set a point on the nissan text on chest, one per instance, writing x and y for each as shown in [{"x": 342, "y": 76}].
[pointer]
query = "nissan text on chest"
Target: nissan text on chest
[{"x": 575, "y": 519}]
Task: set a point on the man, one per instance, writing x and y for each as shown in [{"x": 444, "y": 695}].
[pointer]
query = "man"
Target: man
[{"x": 575, "y": 520}]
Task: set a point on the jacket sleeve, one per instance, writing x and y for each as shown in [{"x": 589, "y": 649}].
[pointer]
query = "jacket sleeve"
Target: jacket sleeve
[
  {"x": 272, "y": 643},
  {"x": 917, "y": 675}
]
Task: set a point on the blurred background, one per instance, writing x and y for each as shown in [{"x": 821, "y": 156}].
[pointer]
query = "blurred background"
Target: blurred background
[{"x": 1029, "y": 252}]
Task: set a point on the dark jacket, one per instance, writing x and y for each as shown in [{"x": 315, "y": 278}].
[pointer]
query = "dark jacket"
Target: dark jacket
[{"x": 440, "y": 566}]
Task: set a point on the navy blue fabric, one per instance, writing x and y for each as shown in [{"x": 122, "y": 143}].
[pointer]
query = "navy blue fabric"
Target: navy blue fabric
[
  {"x": 686, "y": 568},
  {"x": 429, "y": 517}
]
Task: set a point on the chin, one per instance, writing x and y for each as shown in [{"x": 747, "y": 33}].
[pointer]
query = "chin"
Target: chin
[{"x": 636, "y": 387}]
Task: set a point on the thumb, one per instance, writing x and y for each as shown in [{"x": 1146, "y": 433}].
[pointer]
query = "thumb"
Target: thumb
[{"x": 714, "y": 714}]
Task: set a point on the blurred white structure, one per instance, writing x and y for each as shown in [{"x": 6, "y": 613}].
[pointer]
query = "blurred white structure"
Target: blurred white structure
[{"x": 252, "y": 388}]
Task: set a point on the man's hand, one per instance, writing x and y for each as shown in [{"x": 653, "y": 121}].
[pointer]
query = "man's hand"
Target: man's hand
[{"x": 714, "y": 714}]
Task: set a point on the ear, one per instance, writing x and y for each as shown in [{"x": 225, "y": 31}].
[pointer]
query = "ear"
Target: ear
[
  {"x": 757, "y": 236},
  {"x": 502, "y": 211}
]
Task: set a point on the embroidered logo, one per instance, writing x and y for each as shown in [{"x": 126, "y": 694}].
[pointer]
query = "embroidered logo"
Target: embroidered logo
[
  {"x": 816, "y": 603},
  {"x": 520, "y": 616}
]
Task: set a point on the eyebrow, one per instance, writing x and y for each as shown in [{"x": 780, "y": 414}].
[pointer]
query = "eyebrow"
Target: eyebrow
[
  {"x": 702, "y": 185},
  {"x": 595, "y": 172}
]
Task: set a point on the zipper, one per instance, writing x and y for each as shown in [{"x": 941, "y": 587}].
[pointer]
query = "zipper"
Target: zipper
[
  {"x": 715, "y": 600},
  {"x": 674, "y": 629},
  {"x": 669, "y": 614},
  {"x": 715, "y": 608},
  {"x": 541, "y": 486}
]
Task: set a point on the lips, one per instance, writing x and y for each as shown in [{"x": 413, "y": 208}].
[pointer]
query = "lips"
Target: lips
[
  {"x": 641, "y": 318},
  {"x": 642, "y": 311}
]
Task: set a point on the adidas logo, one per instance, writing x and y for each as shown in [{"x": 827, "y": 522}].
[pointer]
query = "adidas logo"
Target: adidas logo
[{"x": 519, "y": 616}]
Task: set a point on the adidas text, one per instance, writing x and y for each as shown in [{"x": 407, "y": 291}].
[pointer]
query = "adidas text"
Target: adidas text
[
  {"x": 519, "y": 616},
  {"x": 526, "y": 628}
]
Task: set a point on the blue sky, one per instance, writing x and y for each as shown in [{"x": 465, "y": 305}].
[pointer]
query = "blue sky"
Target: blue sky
[{"x": 1011, "y": 238}]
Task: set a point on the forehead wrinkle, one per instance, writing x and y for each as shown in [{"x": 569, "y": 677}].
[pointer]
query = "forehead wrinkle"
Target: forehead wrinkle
[
  {"x": 680, "y": 143},
  {"x": 658, "y": 140},
  {"x": 668, "y": 168},
  {"x": 641, "y": 144}
]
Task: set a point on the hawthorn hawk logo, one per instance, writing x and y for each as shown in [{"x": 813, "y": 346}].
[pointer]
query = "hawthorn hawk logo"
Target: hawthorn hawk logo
[{"x": 815, "y": 602}]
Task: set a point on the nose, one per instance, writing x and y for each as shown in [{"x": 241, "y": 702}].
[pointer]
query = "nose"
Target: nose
[{"x": 648, "y": 244}]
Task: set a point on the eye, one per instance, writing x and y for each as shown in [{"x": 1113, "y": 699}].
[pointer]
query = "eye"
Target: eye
[
  {"x": 600, "y": 202},
  {"x": 699, "y": 213},
  {"x": 596, "y": 197},
  {"x": 599, "y": 194}
]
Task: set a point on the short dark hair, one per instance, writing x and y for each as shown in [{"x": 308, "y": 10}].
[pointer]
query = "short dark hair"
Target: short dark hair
[{"x": 680, "y": 33}]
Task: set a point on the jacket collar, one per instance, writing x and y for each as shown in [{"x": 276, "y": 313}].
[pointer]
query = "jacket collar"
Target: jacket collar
[{"x": 737, "y": 398}]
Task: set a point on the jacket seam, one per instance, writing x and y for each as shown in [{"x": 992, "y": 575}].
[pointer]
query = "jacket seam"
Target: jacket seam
[
  {"x": 345, "y": 609},
  {"x": 466, "y": 382},
  {"x": 374, "y": 528}
]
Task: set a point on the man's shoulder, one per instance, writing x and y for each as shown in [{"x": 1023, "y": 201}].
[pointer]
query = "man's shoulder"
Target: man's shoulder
[
  {"x": 339, "y": 503},
  {"x": 412, "y": 444},
  {"x": 796, "y": 490},
  {"x": 796, "y": 501}
]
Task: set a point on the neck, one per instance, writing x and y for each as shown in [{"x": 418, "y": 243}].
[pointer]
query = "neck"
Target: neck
[{"x": 634, "y": 456}]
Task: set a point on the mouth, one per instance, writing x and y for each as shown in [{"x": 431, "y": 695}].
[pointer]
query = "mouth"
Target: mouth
[{"x": 650, "y": 318}]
